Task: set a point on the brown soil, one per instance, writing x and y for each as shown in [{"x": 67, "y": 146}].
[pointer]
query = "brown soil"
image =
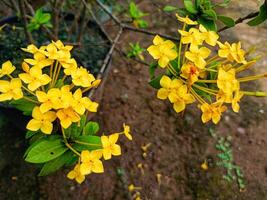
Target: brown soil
[{"x": 179, "y": 144}]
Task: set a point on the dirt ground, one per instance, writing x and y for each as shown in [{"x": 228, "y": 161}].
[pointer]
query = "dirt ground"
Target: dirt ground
[{"x": 179, "y": 144}]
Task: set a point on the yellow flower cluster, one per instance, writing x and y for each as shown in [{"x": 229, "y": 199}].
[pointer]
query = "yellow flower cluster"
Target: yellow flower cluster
[
  {"x": 42, "y": 75},
  {"x": 197, "y": 71},
  {"x": 55, "y": 87},
  {"x": 90, "y": 160}
]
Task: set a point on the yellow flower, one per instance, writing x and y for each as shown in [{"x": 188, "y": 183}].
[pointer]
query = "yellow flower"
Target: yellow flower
[
  {"x": 66, "y": 98},
  {"x": 193, "y": 37},
  {"x": 163, "y": 51},
  {"x": 34, "y": 78},
  {"x": 198, "y": 55},
  {"x": 61, "y": 46},
  {"x": 49, "y": 100},
  {"x": 110, "y": 147},
  {"x": 31, "y": 49},
  {"x": 210, "y": 37},
  {"x": 91, "y": 162},
  {"x": 80, "y": 104},
  {"x": 39, "y": 60},
  {"x": 126, "y": 132},
  {"x": 212, "y": 112},
  {"x": 227, "y": 81},
  {"x": 168, "y": 87},
  {"x": 76, "y": 174},
  {"x": 235, "y": 106},
  {"x": 186, "y": 20},
  {"x": 69, "y": 66},
  {"x": 204, "y": 165},
  {"x": 81, "y": 77},
  {"x": 232, "y": 52},
  {"x": 190, "y": 72},
  {"x": 52, "y": 51},
  {"x": 10, "y": 90},
  {"x": 7, "y": 69},
  {"x": 42, "y": 121},
  {"x": 67, "y": 116},
  {"x": 180, "y": 98}
]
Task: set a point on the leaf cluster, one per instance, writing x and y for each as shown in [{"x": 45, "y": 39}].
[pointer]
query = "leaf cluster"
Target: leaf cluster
[
  {"x": 137, "y": 16},
  {"x": 39, "y": 19}
]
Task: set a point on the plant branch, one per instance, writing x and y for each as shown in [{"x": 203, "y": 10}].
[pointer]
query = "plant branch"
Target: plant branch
[
  {"x": 25, "y": 22},
  {"x": 241, "y": 20},
  {"x": 127, "y": 27}
]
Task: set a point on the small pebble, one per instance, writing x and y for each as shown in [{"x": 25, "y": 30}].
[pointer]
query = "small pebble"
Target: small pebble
[
  {"x": 241, "y": 130},
  {"x": 115, "y": 71}
]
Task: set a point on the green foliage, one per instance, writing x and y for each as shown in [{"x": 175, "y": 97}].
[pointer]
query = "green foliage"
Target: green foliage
[
  {"x": 155, "y": 83},
  {"x": 135, "y": 51},
  {"x": 137, "y": 16},
  {"x": 57, "y": 163},
  {"x": 91, "y": 128},
  {"x": 262, "y": 16},
  {"x": 23, "y": 105},
  {"x": 204, "y": 12},
  {"x": 233, "y": 171},
  {"x": 87, "y": 142},
  {"x": 45, "y": 149},
  {"x": 39, "y": 19}
]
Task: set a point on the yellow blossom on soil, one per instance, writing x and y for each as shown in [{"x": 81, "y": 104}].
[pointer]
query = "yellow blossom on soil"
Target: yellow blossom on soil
[
  {"x": 34, "y": 78},
  {"x": 42, "y": 121},
  {"x": 10, "y": 90},
  {"x": 198, "y": 56},
  {"x": 109, "y": 146},
  {"x": 163, "y": 51},
  {"x": 7, "y": 69},
  {"x": 212, "y": 112},
  {"x": 126, "y": 131},
  {"x": 186, "y": 20},
  {"x": 91, "y": 162},
  {"x": 76, "y": 174},
  {"x": 204, "y": 165}
]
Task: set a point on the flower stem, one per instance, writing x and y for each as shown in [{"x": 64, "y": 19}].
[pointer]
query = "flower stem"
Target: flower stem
[
  {"x": 180, "y": 49},
  {"x": 87, "y": 144},
  {"x": 67, "y": 144}
]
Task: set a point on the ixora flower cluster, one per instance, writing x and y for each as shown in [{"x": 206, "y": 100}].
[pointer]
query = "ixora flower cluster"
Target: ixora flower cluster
[
  {"x": 194, "y": 74},
  {"x": 52, "y": 89}
]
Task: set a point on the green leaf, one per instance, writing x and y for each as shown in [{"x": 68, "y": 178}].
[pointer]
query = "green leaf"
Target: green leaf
[
  {"x": 91, "y": 128},
  {"x": 46, "y": 150},
  {"x": 59, "y": 83},
  {"x": 210, "y": 14},
  {"x": 56, "y": 163},
  {"x": 38, "y": 15},
  {"x": 141, "y": 23},
  {"x": 45, "y": 18},
  {"x": 134, "y": 11},
  {"x": 155, "y": 83},
  {"x": 152, "y": 68},
  {"x": 228, "y": 21},
  {"x": 261, "y": 17},
  {"x": 170, "y": 8},
  {"x": 190, "y": 6},
  {"x": 23, "y": 105},
  {"x": 208, "y": 24},
  {"x": 29, "y": 134},
  {"x": 87, "y": 142}
]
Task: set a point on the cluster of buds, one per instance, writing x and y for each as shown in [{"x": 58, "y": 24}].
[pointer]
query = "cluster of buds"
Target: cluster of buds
[{"x": 195, "y": 73}]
